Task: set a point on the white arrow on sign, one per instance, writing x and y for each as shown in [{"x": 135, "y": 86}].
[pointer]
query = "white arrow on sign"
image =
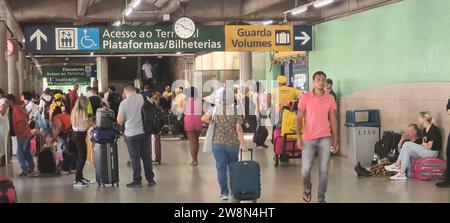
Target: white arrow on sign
[
  {"x": 38, "y": 35},
  {"x": 305, "y": 38}
]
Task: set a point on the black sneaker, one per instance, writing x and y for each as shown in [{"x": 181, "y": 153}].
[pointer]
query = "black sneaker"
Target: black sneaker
[
  {"x": 79, "y": 183},
  {"x": 135, "y": 184},
  {"x": 23, "y": 174},
  {"x": 265, "y": 146},
  {"x": 443, "y": 184},
  {"x": 151, "y": 183}
]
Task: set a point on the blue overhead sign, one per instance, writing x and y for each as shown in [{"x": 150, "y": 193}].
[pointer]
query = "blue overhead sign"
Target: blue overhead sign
[{"x": 303, "y": 38}]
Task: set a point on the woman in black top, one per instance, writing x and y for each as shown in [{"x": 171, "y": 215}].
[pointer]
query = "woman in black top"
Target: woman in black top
[
  {"x": 446, "y": 183},
  {"x": 430, "y": 147}
]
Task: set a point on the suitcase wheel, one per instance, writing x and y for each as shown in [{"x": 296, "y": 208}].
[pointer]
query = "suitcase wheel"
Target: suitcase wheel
[{"x": 275, "y": 160}]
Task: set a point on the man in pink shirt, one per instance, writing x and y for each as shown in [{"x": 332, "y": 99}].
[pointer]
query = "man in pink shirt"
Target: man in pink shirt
[{"x": 320, "y": 134}]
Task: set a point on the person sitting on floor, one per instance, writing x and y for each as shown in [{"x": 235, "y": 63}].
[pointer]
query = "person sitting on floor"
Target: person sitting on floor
[
  {"x": 430, "y": 147},
  {"x": 412, "y": 134}
]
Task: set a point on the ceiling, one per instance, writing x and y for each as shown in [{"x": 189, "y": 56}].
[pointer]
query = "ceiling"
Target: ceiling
[
  {"x": 149, "y": 12},
  {"x": 17, "y": 13}
]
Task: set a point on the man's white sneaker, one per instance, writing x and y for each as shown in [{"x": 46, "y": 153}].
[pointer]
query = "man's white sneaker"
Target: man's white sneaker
[
  {"x": 399, "y": 176},
  {"x": 224, "y": 197},
  {"x": 392, "y": 168}
]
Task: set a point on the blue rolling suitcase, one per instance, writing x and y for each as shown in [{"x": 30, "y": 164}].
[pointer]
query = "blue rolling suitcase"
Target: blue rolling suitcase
[{"x": 245, "y": 180}]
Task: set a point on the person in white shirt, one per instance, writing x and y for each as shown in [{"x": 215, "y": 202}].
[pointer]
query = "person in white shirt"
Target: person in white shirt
[
  {"x": 30, "y": 108},
  {"x": 4, "y": 127},
  {"x": 262, "y": 110},
  {"x": 148, "y": 74}
]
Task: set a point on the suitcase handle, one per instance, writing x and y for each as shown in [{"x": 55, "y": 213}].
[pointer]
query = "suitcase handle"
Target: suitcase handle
[{"x": 251, "y": 153}]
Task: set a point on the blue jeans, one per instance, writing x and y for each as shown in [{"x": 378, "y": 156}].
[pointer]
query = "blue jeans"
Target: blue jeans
[
  {"x": 24, "y": 155},
  {"x": 321, "y": 146},
  {"x": 139, "y": 147},
  {"x": 411, "y": 150},
  {"x": 224, "y": 156}
]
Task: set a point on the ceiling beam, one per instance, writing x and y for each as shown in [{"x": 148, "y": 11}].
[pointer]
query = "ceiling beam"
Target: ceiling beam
[
  {"x": 82, "y": 6},
  {"x": 252, "y": 6}
]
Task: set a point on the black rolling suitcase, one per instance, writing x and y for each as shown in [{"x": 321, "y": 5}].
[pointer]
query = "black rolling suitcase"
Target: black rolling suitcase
[
  {"x": 245, "y": 180},
  {"x": 260, "y": 136},
  {"x": 106, "y": 164}
]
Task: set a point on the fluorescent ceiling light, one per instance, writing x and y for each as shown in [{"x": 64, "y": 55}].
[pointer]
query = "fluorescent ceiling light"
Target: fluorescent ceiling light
[
  {"x": 92, "y": 54},
  {"x": 128, "y": 11},
  {"x": 299, "y": 10},
  {"x": 123, "y": 58},
  {"x": 135, "y": 3},
  {"x": 268, "y": 22},
  {"x": 178, "y": 53},
  {"x": 117, "y": 23},
  {"x": 320, "y": 3}
]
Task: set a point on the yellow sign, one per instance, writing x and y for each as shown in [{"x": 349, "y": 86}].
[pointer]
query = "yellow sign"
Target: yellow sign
[{"x": 258, "y": 38}]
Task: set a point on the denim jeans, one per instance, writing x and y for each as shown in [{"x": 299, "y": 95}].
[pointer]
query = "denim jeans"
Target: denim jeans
[
  {"x": 139, "y": 148},
  {"x": 24, "y": 155},
  {"x": 416, "y": 151},
  {"x": 322, "y": 146},
  {"x": 224, "y": 156}
]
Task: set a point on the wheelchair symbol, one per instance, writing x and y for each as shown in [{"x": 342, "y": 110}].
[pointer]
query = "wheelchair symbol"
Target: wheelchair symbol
[{"x": 86, "y": 40}]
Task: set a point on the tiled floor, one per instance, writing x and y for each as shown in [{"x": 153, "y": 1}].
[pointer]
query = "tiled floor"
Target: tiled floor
[{"x": 179, "y": 182}]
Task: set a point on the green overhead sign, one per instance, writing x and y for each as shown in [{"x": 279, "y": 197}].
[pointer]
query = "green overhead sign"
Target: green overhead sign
[
  {"x": 160, "y": 39},
  {"x": 73, "y": 71},
  {"x": 42, "y": 39},
  {"x": 65, "y": 81}
]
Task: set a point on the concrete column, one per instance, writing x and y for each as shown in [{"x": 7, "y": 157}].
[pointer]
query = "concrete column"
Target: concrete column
[
  {"x": 34, "y": 80},
  {"x": 245, "y": 66},
  {"x": 102, "y": 73},
  {"x": 3, "y": 64},
  {"x": 39, "y": 82},
  {"x": 13, "y": 85},
  {"x": 21, "y": 71},
  {"x": 27, "y": 81}
]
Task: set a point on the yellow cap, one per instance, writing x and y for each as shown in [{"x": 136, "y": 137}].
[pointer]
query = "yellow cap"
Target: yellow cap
[
  {"x": 58, "y": 96},
  {"x": 282, "y": 79}
]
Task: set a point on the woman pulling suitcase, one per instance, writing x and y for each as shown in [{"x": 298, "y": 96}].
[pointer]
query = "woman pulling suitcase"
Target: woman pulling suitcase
[{"x": 227, "y": 138}]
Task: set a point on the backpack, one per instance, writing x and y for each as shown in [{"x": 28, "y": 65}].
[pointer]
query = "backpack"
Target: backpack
[
  {"x": 387, "y": 144},
  {"x": 150, "y": 117},
  {"x": 46, "y": 162},
  {"x": 115, "y": 101},
  {"x": 7, "y": 191}
]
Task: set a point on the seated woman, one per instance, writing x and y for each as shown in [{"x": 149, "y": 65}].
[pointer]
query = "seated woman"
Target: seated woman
[{"x": 430, "y": 147}]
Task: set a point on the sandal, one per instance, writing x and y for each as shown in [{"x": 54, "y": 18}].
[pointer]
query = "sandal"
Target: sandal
[
  {"x": 306, "y": 195},
  {"x": 194, "y": 163}
]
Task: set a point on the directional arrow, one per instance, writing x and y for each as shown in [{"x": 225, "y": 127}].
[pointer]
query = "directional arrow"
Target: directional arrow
[
  {"x": 38, "y": 35},
  {"x": 305, "y": 38}
]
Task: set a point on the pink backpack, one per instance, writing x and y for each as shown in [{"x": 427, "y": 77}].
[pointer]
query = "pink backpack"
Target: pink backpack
[{"x": 427, "y": 168}]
